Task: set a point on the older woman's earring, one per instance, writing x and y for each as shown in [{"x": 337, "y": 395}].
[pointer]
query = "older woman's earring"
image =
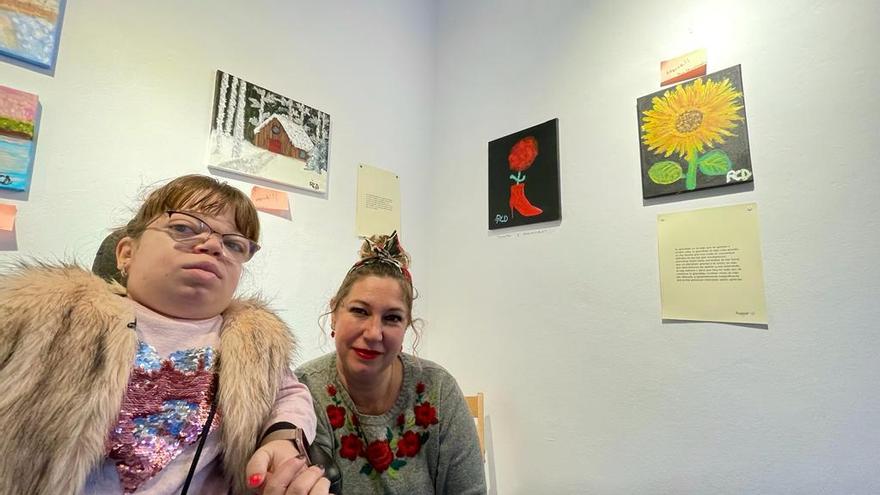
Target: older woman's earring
[{"x": 123, "y": 271}]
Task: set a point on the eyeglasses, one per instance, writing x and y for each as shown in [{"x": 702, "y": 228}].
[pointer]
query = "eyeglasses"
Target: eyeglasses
[{"x": 189, "y": 229}]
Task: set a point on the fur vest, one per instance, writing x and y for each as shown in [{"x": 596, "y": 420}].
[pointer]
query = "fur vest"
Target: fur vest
[{"x": 66, "y": 353}]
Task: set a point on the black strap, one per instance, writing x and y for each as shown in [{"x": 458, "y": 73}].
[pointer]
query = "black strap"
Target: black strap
[
  {"x": 204, "y": 435},
  {"x": 281, "y": 425}
]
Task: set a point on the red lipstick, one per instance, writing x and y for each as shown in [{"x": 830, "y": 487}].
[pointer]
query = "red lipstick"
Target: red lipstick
[{"x": 367, "y": 353}]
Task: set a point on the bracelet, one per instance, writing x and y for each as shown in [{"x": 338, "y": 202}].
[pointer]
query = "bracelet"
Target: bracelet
[{"x": 295, "y": 436}]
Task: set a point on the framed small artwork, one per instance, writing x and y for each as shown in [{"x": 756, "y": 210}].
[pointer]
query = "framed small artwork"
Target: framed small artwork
[
  {"x": 524, "y": 177},
  {"x": 29, "y": 30},
  {"x": 694, "y": 135},
  {"x": 261, "y": 134},
  {"x": 18, "y": 115}
]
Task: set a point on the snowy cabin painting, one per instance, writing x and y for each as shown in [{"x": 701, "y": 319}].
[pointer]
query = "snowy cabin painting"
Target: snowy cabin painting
[
  {"x": 281, "y": 135},
  {"x": 261, "y": 134}
]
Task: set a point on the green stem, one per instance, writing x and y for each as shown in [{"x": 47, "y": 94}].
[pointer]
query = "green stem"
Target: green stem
[
  {"x": 519, "y": 177},
  {"x": 691, "y": 176}
]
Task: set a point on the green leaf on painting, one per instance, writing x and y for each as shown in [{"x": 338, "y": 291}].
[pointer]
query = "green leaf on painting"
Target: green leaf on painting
[
  {"x": 367, "y": 469},
  {"x": 715, "y": 162},
  {"x": 388, "y": 434},
  {"x": 397, "y": 464},
  {"x": 665, "y": 172}
]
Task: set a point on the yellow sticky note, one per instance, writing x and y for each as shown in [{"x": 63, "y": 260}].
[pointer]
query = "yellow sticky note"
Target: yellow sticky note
[
  {"x": 7, "y": 216},
  {"x": 269, "y": 199}
]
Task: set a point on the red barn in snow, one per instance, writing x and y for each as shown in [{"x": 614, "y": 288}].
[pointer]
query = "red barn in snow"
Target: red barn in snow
[{"x": 281, "y": 135}]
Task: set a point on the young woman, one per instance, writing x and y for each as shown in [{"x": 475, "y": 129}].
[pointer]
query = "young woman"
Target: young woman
[
  {"x": 167, "y": 384},
  {"x": 395, "y": 423}
]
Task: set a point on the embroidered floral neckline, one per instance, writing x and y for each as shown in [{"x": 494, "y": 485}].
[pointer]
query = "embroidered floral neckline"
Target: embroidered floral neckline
[{"x": 389, "y": 454}]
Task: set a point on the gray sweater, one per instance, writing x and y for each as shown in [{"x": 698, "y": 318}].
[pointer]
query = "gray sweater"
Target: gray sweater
[{"x": 426, "y": 443}]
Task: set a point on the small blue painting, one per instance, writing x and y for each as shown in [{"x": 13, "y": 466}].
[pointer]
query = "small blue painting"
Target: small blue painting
[
  {"x": 18, "y": 115},
  {"x": 29, "y": 30}
]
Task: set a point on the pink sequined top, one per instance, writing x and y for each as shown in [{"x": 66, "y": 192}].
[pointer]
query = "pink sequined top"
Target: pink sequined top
[{"x": 167, "y": 402}]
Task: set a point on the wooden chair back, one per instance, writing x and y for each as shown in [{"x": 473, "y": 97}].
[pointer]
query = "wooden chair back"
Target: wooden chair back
[{"x": 475, "y": 404}]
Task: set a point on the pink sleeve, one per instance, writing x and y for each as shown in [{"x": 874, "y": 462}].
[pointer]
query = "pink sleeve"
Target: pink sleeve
[{"x": 293, "y": 404}]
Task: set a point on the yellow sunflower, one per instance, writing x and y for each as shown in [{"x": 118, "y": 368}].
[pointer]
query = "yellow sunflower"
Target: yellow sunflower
[{"x": 690, "y": 117}]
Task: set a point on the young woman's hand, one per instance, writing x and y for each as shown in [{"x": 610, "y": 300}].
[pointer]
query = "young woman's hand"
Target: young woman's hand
[{"x": 277, "y": 468}]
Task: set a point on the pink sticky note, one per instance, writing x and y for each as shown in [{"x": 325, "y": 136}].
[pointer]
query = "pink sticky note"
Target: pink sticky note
[
  {"x": 7, "y": 216},
  {"x": 269, "y": 199},
  {"x": 684, "y": 67}
]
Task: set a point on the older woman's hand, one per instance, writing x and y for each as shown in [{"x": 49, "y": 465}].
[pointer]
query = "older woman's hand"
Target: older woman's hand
[{"x": 278, "y": 469}]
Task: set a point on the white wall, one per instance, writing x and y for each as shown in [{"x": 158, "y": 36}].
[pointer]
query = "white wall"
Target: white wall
[
  {"x": 130, "y": 104},
  {"x": 587, "y": 391}
]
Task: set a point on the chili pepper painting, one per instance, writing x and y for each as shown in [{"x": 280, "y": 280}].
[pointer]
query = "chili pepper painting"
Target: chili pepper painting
[
  {"x": 694, "y": 136},
  {"x": 524, "y": 177}
]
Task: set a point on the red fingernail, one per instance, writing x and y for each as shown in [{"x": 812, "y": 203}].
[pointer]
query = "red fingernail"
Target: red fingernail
[{"x": 255, "y": 480}]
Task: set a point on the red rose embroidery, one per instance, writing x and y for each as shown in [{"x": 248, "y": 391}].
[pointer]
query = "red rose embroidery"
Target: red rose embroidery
[
  {"x": 400, "y": 420},
  {"x": 408, "y": 445},
  {"x": 331, "y": 390},
  {"x": 523, "y": 153},
  {"x": 336, "y": 415},
  {"x": 426, "y": 415},
  {"x": 420, "y": 388},
  {"x": 351, "y": 447},
  {"x": 379, "y": 455}
]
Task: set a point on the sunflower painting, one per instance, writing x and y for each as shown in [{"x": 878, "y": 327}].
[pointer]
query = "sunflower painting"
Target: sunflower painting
[{"x": 694, "y": 136}]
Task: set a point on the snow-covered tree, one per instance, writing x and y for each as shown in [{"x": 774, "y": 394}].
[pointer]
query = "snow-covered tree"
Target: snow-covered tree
[
  {"x": 299, "y": 113},
  {"x": 314, "y": 123},
  {"x": 221, "y": 102},
  {"x": 230, "y": 110},
  {"x": 260, "y": 105},
  {"x": 238, "y": 130},
  {"x": 318, "y": 157},
  {"x": 287, "y": 108},
  {"x": 221, "y": 111},
  {"x": 317, "y": 121},
  {"x": 322, "y": 118}
]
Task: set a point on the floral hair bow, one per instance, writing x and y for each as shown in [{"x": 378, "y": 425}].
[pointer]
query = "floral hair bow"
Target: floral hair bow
[{"x": 385, "y": 251}]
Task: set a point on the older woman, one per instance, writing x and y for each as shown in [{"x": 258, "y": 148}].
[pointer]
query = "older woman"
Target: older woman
[{"x": 395, "y": 423}]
